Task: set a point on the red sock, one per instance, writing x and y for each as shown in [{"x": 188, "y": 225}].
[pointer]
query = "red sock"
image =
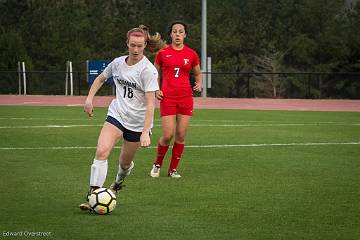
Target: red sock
[
  {"x": 161, "y": 152},
  {"x": 177, "y": 151}
]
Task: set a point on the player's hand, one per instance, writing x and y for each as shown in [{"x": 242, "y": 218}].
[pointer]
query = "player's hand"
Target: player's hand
[
  {"x": 197, "y": 87},
  {"x": 145, "y": 140},
  {"x": 159, "y": 95},
  {"x": 89, "y": 108}
]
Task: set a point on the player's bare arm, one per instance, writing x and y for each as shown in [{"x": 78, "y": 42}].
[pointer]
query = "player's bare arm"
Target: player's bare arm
[
  {"x": 198, "y": 78},
  {"x": 88, "y": 106},
  {"x": 150, "y": 101},
  {"x": 159, "y": 94}
]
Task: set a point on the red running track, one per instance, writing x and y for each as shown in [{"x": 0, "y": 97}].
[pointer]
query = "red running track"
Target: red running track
[{"x": 201, "y": 103}]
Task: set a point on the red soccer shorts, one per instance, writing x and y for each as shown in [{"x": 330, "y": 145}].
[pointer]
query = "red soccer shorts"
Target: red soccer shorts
[{"x": 173, "y": 106}]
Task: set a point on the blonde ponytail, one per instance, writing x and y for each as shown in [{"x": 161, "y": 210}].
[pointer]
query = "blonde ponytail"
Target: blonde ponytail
[{"x": 154, "y": 42}]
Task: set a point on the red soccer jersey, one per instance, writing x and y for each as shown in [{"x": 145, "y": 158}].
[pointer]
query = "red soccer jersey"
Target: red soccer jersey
[{"x": 176, "y": 66}]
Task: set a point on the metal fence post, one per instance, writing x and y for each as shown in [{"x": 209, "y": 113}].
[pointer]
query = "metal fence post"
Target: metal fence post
[
  {"x": 24, "y": 76},
  {"x": 71, "y": 79},
  {"x": 66, "y": 78},
  {"x": 19, "y": 77}
]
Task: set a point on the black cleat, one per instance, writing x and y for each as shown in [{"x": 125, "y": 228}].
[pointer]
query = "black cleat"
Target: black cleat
[{"x": 116, "y": 187}]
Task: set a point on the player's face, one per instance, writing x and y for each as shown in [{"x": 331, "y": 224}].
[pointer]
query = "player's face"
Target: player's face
[
  {"x": 136, "y": 47},
  {"x": 178, "y": 34}
]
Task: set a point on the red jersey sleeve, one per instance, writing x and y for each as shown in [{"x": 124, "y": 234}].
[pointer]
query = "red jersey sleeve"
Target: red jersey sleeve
[
  {"x": 158, "y": 59},
  {"x": 196, "y": 59}
]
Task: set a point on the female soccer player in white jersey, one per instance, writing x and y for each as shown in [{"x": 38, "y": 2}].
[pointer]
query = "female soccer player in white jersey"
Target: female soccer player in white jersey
[{"x": 130, "y": 114}]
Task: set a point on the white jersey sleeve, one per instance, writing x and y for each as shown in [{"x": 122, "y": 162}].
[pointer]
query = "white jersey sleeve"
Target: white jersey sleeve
[
  {"x": 108, "y": 71},
  {"x": 149, "y": 78}
]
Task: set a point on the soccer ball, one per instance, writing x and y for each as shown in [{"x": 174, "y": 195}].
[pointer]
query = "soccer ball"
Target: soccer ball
[{"x": 102, "y": 201}]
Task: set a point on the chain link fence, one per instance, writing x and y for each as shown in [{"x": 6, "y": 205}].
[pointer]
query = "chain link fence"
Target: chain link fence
[
  {"x": 47, "y": 83},
  {"x": 224, "y": 85}
]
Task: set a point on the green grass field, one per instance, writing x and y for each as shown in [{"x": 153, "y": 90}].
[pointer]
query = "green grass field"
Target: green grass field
[{"x": 246, "y": 175}]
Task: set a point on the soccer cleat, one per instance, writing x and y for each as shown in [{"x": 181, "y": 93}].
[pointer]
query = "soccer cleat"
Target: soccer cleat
[
  {"x": 116, "y": 187},
  {"x": 155, "y": 171},
  {"x": 174, "y": 174},
  {"x": 85, "y": 207}
]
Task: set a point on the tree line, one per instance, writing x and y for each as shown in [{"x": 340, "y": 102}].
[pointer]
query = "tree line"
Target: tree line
[{"x": 244, "y": 36}]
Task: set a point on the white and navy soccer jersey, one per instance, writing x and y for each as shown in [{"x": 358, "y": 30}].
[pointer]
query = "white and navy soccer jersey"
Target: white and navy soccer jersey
[{"x": 132, "y": 82}]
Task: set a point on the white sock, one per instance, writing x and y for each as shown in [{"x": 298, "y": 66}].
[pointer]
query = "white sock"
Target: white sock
[
  {"x": 123, "y": 173},
  {"x": 98, "y": 173}
]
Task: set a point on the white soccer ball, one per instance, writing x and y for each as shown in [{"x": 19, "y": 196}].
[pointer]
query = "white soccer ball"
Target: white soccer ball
[{"x": 102, "y": 201}]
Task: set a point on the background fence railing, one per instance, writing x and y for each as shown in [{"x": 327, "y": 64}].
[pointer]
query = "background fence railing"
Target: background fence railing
[
  {"x": 286, "y": 85},
  {"x": 314, "y": 85}
]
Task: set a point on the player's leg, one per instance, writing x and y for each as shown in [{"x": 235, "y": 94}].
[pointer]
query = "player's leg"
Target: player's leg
[
  {"x": 108, "y": 137},
  {"x": 168, "y": 128},
  {"x": 126, "y": 163},
  {"x": 185, "y": 109},
  {"x": 182, "y": 125},
  {"x": 168, "y": 122}
]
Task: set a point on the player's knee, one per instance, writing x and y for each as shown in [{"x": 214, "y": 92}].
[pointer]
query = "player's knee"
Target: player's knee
[
  {"x": 180, "y": 137},
  {"x": 102, "y": 152},
  {"x": 166, "y": 139}
]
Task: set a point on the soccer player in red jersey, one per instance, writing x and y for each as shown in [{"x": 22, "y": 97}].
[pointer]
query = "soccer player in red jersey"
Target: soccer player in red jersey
[{"x": 175, "y": 62}]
